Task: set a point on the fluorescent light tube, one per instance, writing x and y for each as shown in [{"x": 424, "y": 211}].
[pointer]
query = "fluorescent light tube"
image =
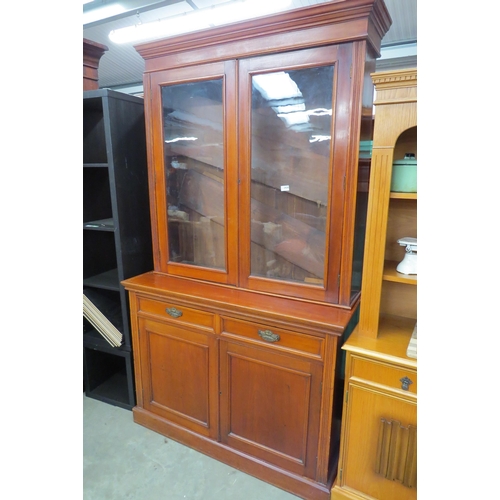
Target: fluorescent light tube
[{"x": 226, "y": 13}]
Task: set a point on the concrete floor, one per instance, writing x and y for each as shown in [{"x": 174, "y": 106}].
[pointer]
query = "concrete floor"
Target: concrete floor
[{"x": 125, "y": 461}]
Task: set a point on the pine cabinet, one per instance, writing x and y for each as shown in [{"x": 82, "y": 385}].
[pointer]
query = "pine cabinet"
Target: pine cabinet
[
  {"x": 380, "y": 395},
  {"x": 258, "y": 218},
  {"x": 380, "y": 419}
]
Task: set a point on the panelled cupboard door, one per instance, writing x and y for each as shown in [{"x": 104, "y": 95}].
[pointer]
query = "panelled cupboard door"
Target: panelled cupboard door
[
  {"x": 380, "y": 445},
  {"x": 179, "y": 375},
  {"x": 293, "y": 129},
  {"x": 194, "y": 171},
  {"x": 270, "y": 406}
]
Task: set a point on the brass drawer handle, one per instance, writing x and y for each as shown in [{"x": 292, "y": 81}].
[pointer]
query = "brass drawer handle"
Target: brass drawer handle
[
  {"x": 174, "y": 312},
  {"x": 269, "y": 336},
  {"x": 405, "y": 383}
]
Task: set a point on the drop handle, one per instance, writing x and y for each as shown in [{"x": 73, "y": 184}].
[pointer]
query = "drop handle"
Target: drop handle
[
  {"x": 269, "y": 336},
  {"x": 405, "y": 383},
  {"x": 174, "y": 312}
]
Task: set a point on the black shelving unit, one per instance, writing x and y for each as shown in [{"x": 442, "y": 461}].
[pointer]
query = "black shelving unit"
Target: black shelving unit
[{"x": 116, "y": 232}]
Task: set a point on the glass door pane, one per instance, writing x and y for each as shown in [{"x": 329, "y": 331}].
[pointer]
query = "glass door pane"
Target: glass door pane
[
  {"x": 291, "y": 136},
  {"x": 193, "y": 135}
]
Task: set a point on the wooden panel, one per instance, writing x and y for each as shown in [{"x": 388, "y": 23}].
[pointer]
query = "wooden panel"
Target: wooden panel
[
  {"x": 366, "y": 408},
  {"x": 179, "y": 376},
  {"x": 376, "y": 226},
  {"x": 397, "y": 452},
  {"x": 402, "y": 221},
  {"x": 399, "y": 299},
  {"x": 188, "y": 316},
  {"x": 382, "y": 373},
  {"x": 270, "y": 406},
  {"x": 279, "y": 338}
]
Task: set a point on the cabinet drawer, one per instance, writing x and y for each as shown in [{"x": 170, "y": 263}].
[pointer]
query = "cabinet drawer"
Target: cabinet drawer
[
  {"x": 383, "y": 373},
  {"x": 176, "y": 313},
  {"x": 272, "y": 336}
]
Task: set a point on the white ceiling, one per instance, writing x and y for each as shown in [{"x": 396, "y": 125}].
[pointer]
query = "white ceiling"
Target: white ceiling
[{"x": 122, "y": 67}]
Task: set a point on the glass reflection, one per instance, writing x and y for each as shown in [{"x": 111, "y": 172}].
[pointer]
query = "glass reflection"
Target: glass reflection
[
  {"x": 290, "y": 160},
  {"x": 194, "y": 164}
]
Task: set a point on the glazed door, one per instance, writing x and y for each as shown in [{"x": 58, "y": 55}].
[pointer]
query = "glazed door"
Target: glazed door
[
  {"x": 270, "y": 406},
  {"x": 179, "y": 375},
  {"x": 293, "y": 153},
  {"x": 195, "y": 174}
]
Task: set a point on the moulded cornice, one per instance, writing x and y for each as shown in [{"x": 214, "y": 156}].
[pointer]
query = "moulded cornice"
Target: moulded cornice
[
  {"x": 374, "y": 12},
  {"x": 395, "y": 79},
  {"x": 92, "y": 52}
]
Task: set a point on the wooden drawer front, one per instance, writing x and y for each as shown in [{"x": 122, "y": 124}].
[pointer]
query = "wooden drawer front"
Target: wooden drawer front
[
  {"x": 274, "y": 337},
  {"x": 177, "y": 313},
  {"x": 382, "y": 373}
]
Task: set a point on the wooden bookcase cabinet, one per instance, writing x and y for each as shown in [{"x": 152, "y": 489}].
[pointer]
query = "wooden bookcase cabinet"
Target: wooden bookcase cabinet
[
  {"x": 229, "y": 359},
  {"x": 390, "y": 298},
  {"x": 380, "y": 400},
  {"x": 116, "y": 232}
]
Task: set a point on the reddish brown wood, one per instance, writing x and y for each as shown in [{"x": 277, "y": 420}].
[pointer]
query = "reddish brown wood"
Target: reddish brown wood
[
  {"x": 92, "y": 53},
  {"x": 180, "y": 384},
  {"x": 248, "y": 372},
  {"x": 270, "y": 406}
]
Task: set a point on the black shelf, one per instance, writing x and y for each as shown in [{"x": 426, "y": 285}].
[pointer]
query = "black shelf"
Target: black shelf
[
  {"x": 116, "y": 230},
  {"x": 109, "y": 376},
  {"x": 108, "y": 280},
  {"x": 100, "y": 225}
]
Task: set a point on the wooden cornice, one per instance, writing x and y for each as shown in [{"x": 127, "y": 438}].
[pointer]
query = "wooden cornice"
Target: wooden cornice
[
  {"x": 395, "y": 79},
  {"x": 359, "y": 20},
  {"x": 397, "y": 86},
  {"x": 92, "y": 52}
]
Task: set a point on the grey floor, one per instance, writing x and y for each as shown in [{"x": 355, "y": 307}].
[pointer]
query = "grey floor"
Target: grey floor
[{"x": 125, "y": 461}]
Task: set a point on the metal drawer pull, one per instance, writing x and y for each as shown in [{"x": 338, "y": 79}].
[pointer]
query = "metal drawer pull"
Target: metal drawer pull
[
  {"x": 269, "y": 336},
  {"x": 174, "y": 312},
  {"x": 405, "y": 383}
]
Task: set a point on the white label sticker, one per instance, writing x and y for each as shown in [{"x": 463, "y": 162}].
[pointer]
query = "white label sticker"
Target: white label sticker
[{"x": 285, "y": 188}]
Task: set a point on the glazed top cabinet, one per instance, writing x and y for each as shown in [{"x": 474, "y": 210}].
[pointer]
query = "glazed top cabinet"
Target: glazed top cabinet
[{"x": 258, "y": 220}]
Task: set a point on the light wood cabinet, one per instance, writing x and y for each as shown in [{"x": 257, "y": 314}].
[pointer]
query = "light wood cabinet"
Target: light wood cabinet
[
  {"x": 258, "y": 218},
  {"x": 389, "y": 297},
  {"x": 379, "y": 424}
]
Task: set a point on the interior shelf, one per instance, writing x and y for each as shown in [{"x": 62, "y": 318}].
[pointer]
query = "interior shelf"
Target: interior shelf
[
  {"x": 100, "y": 225},
  {"x": 390, "y": 274},
  {"x": 403, "y": 196},
  {"x": 95, "y": 165},
  {"x": 107, "y": 280},
  {"x": 108, "y": 377}
]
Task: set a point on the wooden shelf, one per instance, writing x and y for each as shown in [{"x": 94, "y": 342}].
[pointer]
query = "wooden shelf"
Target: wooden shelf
[
  {"x": 390, "y": 274},
  {"x": 394, "y": 335},
  {"x": 403, "y": 196}
]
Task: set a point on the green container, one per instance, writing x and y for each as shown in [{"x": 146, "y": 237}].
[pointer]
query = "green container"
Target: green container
[{"x": 404, "y": 175}]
